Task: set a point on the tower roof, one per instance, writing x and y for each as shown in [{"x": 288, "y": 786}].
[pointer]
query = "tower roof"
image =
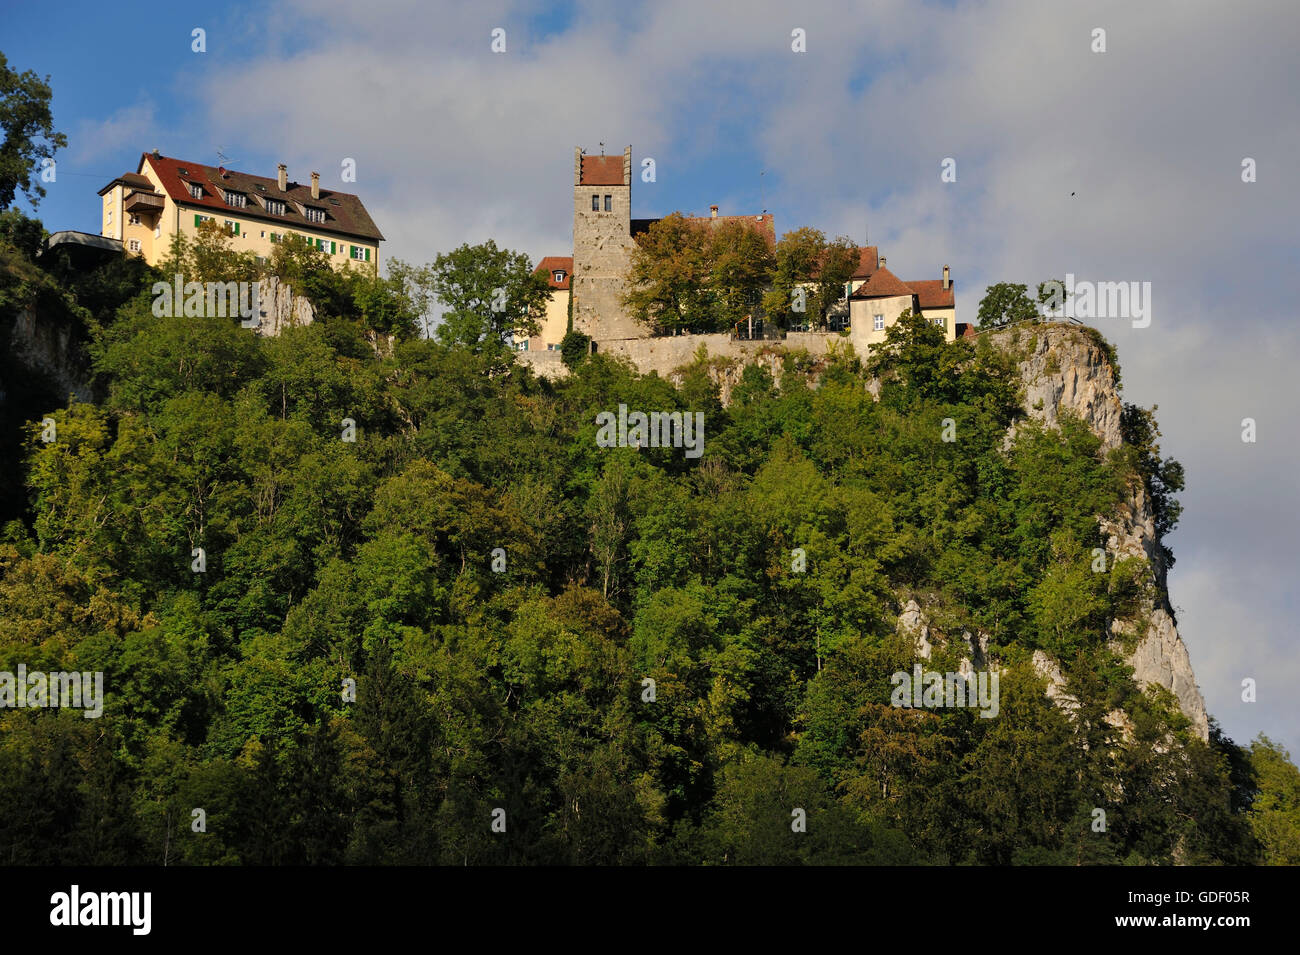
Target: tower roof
[{"x": 602, "y": 171}]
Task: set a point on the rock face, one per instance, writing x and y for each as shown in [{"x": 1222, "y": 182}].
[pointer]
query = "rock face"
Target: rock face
[
  {"x": 281, "y": 308},
  {"x": 1066, "y": 371},
  {"x": 53, "y": 350}
]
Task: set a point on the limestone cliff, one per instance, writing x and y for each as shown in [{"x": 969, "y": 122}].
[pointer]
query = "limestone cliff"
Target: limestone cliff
[{"x": 1064, "y": 368}]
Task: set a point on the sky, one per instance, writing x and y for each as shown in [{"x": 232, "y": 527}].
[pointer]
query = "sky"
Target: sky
[{"x": 1122, "y": 165}]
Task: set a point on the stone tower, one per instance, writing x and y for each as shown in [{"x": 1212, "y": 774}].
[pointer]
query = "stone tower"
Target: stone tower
[{"x": 602, "y": 245}]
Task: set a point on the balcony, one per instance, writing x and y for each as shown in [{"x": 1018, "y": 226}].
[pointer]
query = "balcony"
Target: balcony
[{"x": 143, "y": 203}]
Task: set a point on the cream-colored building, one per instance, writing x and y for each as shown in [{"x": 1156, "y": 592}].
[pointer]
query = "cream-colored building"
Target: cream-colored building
[
  {"x": 554, "y": 322},
  {"x": 876, "y": 304},
  {"x": 166, "y": 196}
]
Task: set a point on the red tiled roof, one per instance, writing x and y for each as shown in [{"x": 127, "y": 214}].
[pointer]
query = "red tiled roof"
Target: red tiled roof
[
  {"x": 602, "y": 171},
  {"x": 553, "y": 263},
  {"x": 930, "y": 293},
  {"x": 344, "y": 213},
  {"x": 882, "y": 284},
  {"x": 868, "y": 256}
]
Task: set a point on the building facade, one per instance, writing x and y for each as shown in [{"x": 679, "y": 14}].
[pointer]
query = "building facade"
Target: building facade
[{"x": 165, "y": 197}]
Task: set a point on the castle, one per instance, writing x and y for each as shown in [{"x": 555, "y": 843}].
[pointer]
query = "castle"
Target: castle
[
  {"x": 142, "y": 210},
  {"x": 588, "y": 287}
]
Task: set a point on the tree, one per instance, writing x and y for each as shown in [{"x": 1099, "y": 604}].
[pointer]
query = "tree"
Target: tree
[
  {"x": 1004, "y": 303},
  {"x": 574, "y": 347},
  {"x": 668, "y": 275},
  {"x": 30, "y": 138},
  {"x": 490, "y": 295},
  {"x": 740, "y": 267},
  {"x": 1275, "y": 815}
]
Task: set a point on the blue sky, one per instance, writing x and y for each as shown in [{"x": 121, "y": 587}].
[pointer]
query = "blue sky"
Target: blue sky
[{"x": 457, "y": 144}]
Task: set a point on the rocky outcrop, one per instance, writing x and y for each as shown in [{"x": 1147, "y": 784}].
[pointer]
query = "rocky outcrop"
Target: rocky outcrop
[
  {"x": 1064, "y": 370},
  {"x": 54, "y": 350},
  {"x": 280, "y": 307}
]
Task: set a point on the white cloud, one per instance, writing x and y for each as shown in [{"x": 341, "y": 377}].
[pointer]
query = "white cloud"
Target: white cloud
[{"x": 456, "y": 144}]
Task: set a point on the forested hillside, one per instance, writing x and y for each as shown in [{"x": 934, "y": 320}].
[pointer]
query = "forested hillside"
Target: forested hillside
[{"x": 502, "y": 591}]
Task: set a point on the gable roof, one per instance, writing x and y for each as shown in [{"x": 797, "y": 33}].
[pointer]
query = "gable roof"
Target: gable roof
[
  {"x": 602, "y": 171},
  {"x": 550, "y": 264},
  {"x": 930, "y": 293},
  {"x": 132, "y": 179},
  {"x": 882, "y": 284},
  {"x": 344, "y": 213}
]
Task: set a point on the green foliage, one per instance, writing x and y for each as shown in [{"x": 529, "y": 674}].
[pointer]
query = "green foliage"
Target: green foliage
[
  {"x": 574, "y": 347},
  {"x": 1004, "y": 303},
  {"x": 29, "y": 135},
  {"x": 675, "y": 655}
]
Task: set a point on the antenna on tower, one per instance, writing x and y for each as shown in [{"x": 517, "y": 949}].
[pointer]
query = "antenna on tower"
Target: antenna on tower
[
  {"x": 602, "y": 149},
  {"x": 222, "y": 158},
  {"x": 762, "y": 195}
]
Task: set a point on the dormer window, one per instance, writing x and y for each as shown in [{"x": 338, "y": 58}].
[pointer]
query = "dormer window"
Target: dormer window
[
  {"x": 559, "y": 275},
  {"x": 236, "y": 199},
  {"x": 196, "y": 191},
  {"x": 275, "y": 207},
  {"x": 313, "y": 214}
]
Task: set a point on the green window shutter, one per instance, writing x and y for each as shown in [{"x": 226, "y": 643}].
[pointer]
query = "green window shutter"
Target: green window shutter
[
  {"x": 367, "y": 255},
  {"x": 236, "y": 228},
  {"x": 197, "y": 219},
  {"x": 352, "y": 252}
]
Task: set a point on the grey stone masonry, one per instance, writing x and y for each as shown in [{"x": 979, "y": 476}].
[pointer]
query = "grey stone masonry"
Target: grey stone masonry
[{"x": 602, "y": 249}]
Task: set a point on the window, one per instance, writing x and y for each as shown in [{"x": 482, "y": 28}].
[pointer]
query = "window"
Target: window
[
  {"x": 313, "y": 214},
  {"x": 360, "y": 253},
  {"x": 157, "y": 231},
  {"x": 236, "y": 199},
  {"x": 275, "y": 207},
  {"x": 232, "y": 227},
  {"x": 939, "y": 322},
  {"x": 559, "y": 275},
  {"x": 595, "y": 203},
  {"x": 134, "y": 245},
  {"x": 133, "y": 220},
  {"x": 608, "y": 206},
  {"x": 199, "y": 220},
  {"x": 196, "y": 191},
  {"x": 878, "y": 322},
  {"x": 275, "y": 237}
]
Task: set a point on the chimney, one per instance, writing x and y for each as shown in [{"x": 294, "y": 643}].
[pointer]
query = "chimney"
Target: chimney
[
  {"x": 282, "y": 176},
  {"x": 947, "y": 282},
  {"x": 315, "y": 185},
  {"x": 881, "y": 260},
  {"x": 627, "y": 166},
  {"x": 157, "y": 154},
  {"x": 577, "y": 165},
  {"x": 713, "y": 212}
]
